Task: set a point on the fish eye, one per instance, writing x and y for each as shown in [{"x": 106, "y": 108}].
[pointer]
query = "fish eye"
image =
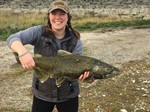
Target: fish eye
[{"x": 98, "y": 63}]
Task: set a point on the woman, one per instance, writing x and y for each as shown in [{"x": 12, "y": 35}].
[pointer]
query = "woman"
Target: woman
[{"x": 58, "y": 34}]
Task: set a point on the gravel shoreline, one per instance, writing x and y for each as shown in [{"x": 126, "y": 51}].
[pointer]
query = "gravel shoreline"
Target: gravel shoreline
[
  {"x": 129, "y": 92},
  {"x": 118, "y": 47}
]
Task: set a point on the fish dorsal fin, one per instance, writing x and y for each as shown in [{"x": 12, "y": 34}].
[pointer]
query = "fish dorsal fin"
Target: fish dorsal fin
[
  {"x": 63, "y": 53},
  {"x": 38, "y": 55}
]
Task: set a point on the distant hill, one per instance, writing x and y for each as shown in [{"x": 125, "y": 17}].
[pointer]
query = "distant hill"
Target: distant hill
[
  {"x": 74, "y": 3},
  {"x": 136, "y": 8}
]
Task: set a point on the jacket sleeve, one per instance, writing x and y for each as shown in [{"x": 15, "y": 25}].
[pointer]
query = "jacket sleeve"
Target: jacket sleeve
[
  {"x": 79, "y": 48},
  {"x": 28, "y": 36}
]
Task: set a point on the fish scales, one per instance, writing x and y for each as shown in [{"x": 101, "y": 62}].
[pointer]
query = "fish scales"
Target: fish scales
[{"x": 70, "y": 66}]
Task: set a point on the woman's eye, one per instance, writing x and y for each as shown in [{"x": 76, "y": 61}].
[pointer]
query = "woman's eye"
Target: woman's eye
[{"x": 61, "y": 14}]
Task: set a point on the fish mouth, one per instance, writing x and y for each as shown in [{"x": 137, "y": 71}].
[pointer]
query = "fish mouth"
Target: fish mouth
[
  {"x": 109, "y": 74},
  {"x": 113, "y": 73}
]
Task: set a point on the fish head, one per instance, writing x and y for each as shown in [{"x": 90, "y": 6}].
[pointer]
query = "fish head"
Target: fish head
[{"x": 103, "y": 70}]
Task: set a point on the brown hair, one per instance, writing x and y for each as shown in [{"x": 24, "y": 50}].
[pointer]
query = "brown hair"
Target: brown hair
[{"x": 49, "y": 28}]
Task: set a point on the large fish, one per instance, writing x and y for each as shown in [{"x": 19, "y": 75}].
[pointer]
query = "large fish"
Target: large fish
[{"x": 68, "y": 65}]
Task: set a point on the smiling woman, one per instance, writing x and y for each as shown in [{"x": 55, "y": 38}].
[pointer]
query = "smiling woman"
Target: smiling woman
[
  {"x": 47, "y": 40},
  {"x": 58, "y": 19}
]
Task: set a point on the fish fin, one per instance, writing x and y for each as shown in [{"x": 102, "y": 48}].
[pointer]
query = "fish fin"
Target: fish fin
[
  {"x": 59, "y": 81},
  {"x": 17, "y": 69},
  {"x": 16, "y": 57},
  {"x": 37, "y": 55},
  {"x": 42, "y": 76},
  {"x": 51, "y": 75},
  {"x": 43, "y": 79},
  {"x": 63, "y": 53},
  {"x": 16, "y": 66}
]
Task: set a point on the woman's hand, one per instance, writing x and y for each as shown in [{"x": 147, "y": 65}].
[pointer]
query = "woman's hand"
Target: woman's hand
[
  {"x": 27, "y": 60},
  {"x": 84, "y": 76},
  {"x": 25, "y": 57}
]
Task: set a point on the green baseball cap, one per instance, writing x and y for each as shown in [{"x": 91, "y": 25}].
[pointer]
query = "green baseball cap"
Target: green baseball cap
[{"x": 59, "y": 4}]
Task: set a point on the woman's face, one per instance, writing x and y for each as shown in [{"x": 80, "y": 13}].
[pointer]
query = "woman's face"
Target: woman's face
[{"x": 58, "y": 19}]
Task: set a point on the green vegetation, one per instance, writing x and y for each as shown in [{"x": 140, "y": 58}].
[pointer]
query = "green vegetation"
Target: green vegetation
[
  {"x": 118, "y": 24},
  {"x": 12, "y": 21}
]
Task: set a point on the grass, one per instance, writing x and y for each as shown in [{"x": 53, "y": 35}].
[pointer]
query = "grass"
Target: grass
[
  {"x": 117, "y": 24},
  {"x": 12, "y": 21}
]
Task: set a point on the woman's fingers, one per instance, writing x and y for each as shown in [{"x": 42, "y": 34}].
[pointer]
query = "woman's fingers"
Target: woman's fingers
[
  {"x": 84, "y": 76},
  {"x": 27, "y": 61}
]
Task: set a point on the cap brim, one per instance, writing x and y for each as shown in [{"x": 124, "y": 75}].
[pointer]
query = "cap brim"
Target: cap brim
[{"x": 58, "y": 8}]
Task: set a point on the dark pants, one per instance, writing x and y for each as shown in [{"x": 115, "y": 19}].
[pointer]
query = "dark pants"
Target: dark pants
[{"x": 44, "y": 106}]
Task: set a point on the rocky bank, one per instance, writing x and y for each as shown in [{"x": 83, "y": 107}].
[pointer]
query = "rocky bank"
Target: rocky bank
[{"x": 122, "y": 8}]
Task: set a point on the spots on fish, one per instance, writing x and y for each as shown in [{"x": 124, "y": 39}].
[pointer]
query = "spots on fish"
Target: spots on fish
[
  {"x": 95, "y": 68},
  {"x": 77, "y": 60}
]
